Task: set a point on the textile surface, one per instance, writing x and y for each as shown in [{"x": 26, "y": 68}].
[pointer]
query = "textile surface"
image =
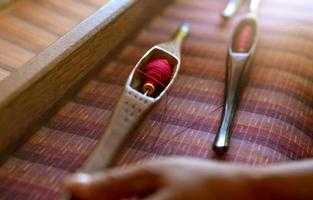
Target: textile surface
[{"x": 274, "y": 122}]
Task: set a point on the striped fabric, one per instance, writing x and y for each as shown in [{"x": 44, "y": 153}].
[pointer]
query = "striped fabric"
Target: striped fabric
[{"x": 274, "y": 122}]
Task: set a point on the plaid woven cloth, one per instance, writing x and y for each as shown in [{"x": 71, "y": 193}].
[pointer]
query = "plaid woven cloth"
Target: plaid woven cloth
[{"x": 274, "y": 122}]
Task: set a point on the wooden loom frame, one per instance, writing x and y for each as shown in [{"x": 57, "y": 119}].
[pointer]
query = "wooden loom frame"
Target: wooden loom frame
[{"x": 31, "y": 91}]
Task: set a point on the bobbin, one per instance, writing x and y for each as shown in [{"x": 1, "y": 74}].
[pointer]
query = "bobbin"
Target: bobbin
[{"x": 157, "y": 74}]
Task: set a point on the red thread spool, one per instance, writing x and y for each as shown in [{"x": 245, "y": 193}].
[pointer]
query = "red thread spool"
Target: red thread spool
[{"x": 157, "y": 75}]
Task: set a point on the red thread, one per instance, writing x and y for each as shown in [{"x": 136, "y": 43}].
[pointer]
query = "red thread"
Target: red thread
[
  {"x": 156, "y": 147},
  {"x": 157, "y": 73}
]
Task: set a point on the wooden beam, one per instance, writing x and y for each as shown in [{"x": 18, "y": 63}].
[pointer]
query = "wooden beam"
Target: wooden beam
[
  {"x": 4, "y": 2},
  {"x": 30, "y": 91}
]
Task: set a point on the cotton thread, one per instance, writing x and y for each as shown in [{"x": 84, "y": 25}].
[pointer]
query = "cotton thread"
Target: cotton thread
[{"x": 157, "y": 75}]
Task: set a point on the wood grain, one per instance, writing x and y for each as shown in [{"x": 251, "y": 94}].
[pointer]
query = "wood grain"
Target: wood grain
[
  {"x": 41, "y": 82},
  {"x": 29, "y": 26},
  {"x": 4, "y": 2}
]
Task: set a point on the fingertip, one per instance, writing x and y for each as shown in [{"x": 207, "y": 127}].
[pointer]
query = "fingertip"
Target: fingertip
[
  {"x": 79, "y": 185},
  {"x": 76, "y": 180}
]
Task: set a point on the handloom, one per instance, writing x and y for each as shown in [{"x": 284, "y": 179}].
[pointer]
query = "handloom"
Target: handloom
[{"x": 273, "y": 122}]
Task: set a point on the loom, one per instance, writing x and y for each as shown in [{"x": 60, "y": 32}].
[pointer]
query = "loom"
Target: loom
[{"x": 63, "y": 69}]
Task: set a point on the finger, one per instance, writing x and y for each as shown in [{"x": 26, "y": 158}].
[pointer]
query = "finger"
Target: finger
[
  {"x": 116, "y": 184},
  {"x": 162, "y": 195}
]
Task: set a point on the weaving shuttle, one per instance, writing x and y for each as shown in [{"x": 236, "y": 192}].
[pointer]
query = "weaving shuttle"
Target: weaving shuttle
[
  {"x": 133, "y": 104},
  {"x": 239, "y": 56}
]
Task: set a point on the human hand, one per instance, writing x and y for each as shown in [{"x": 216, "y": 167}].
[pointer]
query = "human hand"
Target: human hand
[{"x": 167, "y": 179}]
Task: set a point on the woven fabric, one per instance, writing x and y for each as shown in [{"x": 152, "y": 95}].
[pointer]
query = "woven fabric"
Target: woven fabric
[{"x": 274, "y": 122}]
